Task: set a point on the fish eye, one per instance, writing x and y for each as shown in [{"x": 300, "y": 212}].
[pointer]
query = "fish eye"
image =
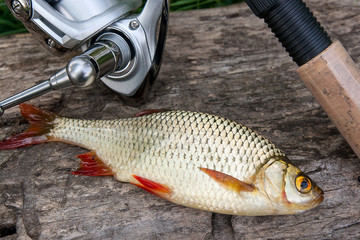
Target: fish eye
[{"x": 303, "y": 184}]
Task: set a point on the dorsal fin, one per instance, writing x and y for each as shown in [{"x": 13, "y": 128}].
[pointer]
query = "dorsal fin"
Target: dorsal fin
[{"x": 149, "y": 111}]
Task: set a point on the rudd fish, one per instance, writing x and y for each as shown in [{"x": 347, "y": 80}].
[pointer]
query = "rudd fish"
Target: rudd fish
[{"x": 192, "y": 159}]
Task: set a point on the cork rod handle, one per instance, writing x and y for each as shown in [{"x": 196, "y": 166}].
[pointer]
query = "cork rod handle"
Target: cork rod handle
[{"x": 334, "y": 80}]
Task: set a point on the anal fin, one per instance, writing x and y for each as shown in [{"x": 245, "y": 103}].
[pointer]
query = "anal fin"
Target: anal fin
[
  {"x": 92, "y": 165},
  {"x": 228, "y": 181}
]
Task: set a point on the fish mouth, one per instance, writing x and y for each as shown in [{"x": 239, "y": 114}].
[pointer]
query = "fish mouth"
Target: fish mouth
[{"x": 319, "y": 198}]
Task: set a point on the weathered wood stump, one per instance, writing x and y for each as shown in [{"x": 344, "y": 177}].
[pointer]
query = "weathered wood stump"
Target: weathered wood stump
[{"x": 223, "y": 61}]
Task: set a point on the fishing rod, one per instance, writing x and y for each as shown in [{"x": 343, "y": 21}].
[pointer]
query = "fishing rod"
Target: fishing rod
[{"x": 325, "y": 67}]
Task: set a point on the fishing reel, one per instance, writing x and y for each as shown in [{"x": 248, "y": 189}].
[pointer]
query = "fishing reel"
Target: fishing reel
[{"x": 120, "y": 48}]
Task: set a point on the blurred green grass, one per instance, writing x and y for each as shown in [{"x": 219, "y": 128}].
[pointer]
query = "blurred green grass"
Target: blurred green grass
[
  {"x": 183, "y": 5},
  {"x": 10, "y": 25}
]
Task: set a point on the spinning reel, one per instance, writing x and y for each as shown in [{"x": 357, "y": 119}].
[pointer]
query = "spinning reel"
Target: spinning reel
[{"x": 120, "y": 48}]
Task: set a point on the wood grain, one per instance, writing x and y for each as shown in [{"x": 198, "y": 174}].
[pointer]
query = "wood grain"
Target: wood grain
[{"x": 223, "y": 61}]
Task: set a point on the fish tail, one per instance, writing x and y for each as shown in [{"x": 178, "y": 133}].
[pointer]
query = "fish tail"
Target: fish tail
[{"x": 41, "y": 122}]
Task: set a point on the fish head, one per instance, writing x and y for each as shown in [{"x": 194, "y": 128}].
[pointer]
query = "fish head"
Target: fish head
[{"x": 288, "y": 188}]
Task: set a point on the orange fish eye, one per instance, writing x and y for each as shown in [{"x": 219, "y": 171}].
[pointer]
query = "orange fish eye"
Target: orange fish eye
[{"x": 303, "y": 184}]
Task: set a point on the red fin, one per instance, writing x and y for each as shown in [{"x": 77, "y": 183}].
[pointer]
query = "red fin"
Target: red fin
[
  {"x": 92, "y": 165},
  {"x": 149, "y": 111},
  {"x": 41, "y": 123},
  {"x": 228, "y": 181},
  {"x": 152, "y": 187}
]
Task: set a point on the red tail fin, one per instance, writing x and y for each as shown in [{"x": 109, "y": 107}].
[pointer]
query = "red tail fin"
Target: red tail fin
[{"x": 41, "y": 122}]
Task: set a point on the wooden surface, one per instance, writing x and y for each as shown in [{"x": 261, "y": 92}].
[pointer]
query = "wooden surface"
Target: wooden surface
[{"x": 223, "y": 61}]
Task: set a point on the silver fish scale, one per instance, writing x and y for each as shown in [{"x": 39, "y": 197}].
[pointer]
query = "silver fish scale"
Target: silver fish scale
[{"x": 169, "y": 147}]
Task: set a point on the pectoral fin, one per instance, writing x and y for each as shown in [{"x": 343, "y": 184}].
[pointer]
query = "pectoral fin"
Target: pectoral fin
[
  {"x": 92, "y": 165},
  {"x": 228, "y": 181},
  {"x": 152, "y": 187}
]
